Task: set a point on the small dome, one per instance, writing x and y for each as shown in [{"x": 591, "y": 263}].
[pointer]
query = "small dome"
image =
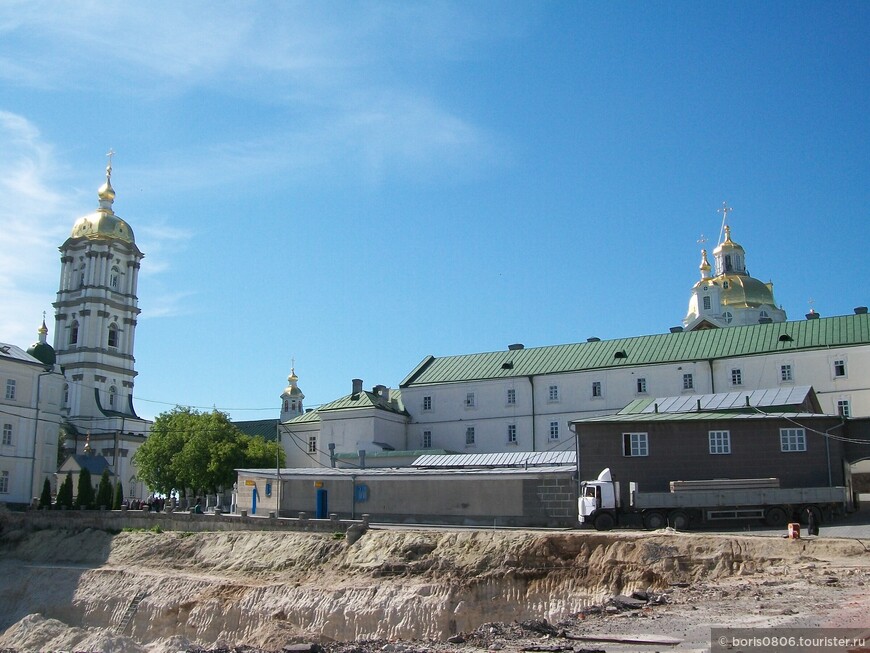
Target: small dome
[
  {"x": 43, "y": 352},
  {"x": 727, "y": 245}
]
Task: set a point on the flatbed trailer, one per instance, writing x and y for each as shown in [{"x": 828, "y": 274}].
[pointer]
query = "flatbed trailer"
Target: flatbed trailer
[{"x": 702, "y": 504}]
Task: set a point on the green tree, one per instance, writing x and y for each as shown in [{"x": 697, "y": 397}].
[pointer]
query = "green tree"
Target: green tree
[
  {"x": 260, "y": 453},
  {"x": 155, "y": 459},
  {"x": 65, "y": 492},
  {"x": 104, "y": 491},
  {"x": 85, "y": 495},
  {"x": 191, "y": 450},
  {"x": 118, "y": 497},
  {"x": 45, "y": 497}
]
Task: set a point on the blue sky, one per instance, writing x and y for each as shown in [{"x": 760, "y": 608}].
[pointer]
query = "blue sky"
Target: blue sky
[{"x": 359, "y": 185}]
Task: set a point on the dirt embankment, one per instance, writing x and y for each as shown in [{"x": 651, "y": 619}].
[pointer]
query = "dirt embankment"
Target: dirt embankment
[{"x": 148, "y": 591}]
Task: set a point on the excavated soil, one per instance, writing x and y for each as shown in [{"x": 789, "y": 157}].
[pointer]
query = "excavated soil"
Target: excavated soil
[{"x": 415, "y": 590}]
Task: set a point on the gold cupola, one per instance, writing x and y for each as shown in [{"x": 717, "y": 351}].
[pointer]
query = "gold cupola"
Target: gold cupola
[{"x": 103, "y": 223}]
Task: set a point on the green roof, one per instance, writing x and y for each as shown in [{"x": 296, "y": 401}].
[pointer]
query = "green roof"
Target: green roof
[
  {"x": 263, "y": 428},
  {"x": 683, "y": 346},
  {"x": 366, "y": 399}
]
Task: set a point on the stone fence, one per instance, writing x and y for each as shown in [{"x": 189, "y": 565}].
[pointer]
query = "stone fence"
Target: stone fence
[{"x": 118, "y": 520}]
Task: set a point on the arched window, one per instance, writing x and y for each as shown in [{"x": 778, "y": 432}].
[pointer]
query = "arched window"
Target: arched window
[
  {"x": 74, "y": 332},
  {"x": 114, "y": 277},
  {"x": 285, "y": 405},
  {"x": 82, "y": 277},
  {"x": 66, "y": 395},
  {"x": 113, "y": 335},
  {"x": 113, "y": 391}
]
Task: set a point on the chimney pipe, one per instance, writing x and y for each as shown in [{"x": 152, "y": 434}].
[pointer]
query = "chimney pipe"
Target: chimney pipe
[
  {"x": 357, "y": 386},
  {"x": 362, "y": 458}
]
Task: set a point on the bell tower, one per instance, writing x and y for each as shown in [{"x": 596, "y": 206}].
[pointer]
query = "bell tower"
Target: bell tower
[{"x": 96, "y": 312}]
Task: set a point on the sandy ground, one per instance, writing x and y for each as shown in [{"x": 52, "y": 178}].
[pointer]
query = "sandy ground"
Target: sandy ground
[{"x": 420, "y": 590}]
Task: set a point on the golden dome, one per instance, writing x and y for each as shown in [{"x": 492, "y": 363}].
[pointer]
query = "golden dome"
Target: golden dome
[
  {"x": 103, "y": 223},
  {"x": 745, "y": 292}
]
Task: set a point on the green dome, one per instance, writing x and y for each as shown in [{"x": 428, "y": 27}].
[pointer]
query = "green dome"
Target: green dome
[{"x": 43, "y": 352}]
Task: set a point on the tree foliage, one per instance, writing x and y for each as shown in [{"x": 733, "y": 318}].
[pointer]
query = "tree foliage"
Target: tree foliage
[
  {"x": 45, "y": 497},
  {"x": 104, "y": 491},
  {"x": 118, "y": 497},
  {"x": 85, "y": 496},
  {"x": 200, "y": 451},
  {"x": 65, "y": 492}
]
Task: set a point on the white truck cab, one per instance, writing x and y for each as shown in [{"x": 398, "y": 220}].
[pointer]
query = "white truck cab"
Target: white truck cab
[{"x": 598, "y": 497}]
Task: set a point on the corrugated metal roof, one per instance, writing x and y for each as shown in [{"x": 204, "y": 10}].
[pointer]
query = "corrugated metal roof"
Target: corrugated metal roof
[
  {"x": 17, "y": 353},
  {"x": 397, "y": 472},
  {"x": 507, "y": 459},
  {"x": 399, "y": 453},
  {"x": 694, "y": 417},
  {"x": 842, "y": 331},
  {"x": 761, "y": 398}
]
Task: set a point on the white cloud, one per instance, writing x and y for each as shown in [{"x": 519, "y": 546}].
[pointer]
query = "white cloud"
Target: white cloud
[
  {"x": 32, "y": 228},
  {"x": 345, "y": 78}
]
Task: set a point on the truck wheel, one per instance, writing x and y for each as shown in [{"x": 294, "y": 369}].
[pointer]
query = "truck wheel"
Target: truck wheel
[
  {"x": 653, "y": 521},
  {"x": 679, "y": 520},
  {"x": 775, "y": 517},
  {"x": 604, "y": 522}
]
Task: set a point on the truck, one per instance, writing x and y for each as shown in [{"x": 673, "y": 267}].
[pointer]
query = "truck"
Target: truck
[{"x": 705, "y": 502}]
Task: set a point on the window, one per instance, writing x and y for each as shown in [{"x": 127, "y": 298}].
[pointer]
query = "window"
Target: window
[
  {"x": 728, "y": 317},
  {"x": 553, "y": 393},
  {"x": 844, "y": 409},
  {"x": 511, "y": 397},
  {"x": 706, "y": 302},
  {"x": 7, "y": 434},
  {"x": 66, "y": 395},
  {"x": 641, "y": 385},
  {"x": 840, "y": 367},
  {"x": 427, "y": 402},
  {"x": 596, "y": 389},
  {"x": 720, "y": 442},
  {"x": 4, "y": 482},
  {"x": 10, "y": 388},
  {"x": 312, "y": 444},
  {"x": 512, "y": 434},
  {"x": 635, "y": 444},
  {"x": 469, "y": 400},
  {"x": 469, "y": 436},
  {"x": 554, "y": 430},
  {"x": 688, "y": 382},
  {"x": 113, "y": 391},
  {"x": 785, "y": 373},
  {"x": 736, "y": 376},
  {"x": 113, "y": 336},
  {"x": 73, "y": 333},
  {"x": 286, "y": 406},
  {"x": 792, "y": 439},
  {"x": 427, "y": 439},
  {"x": 113, "y": 278}
]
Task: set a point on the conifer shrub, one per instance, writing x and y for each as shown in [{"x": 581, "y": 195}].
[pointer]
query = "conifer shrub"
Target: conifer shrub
[
  {"x": 104, "y": 491},
  {"x": 45, "y": 497},
  {"x": 85, "y": 497},
  {"x": 118, "y": 498},
  {"x": 65, "y": 493}
]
